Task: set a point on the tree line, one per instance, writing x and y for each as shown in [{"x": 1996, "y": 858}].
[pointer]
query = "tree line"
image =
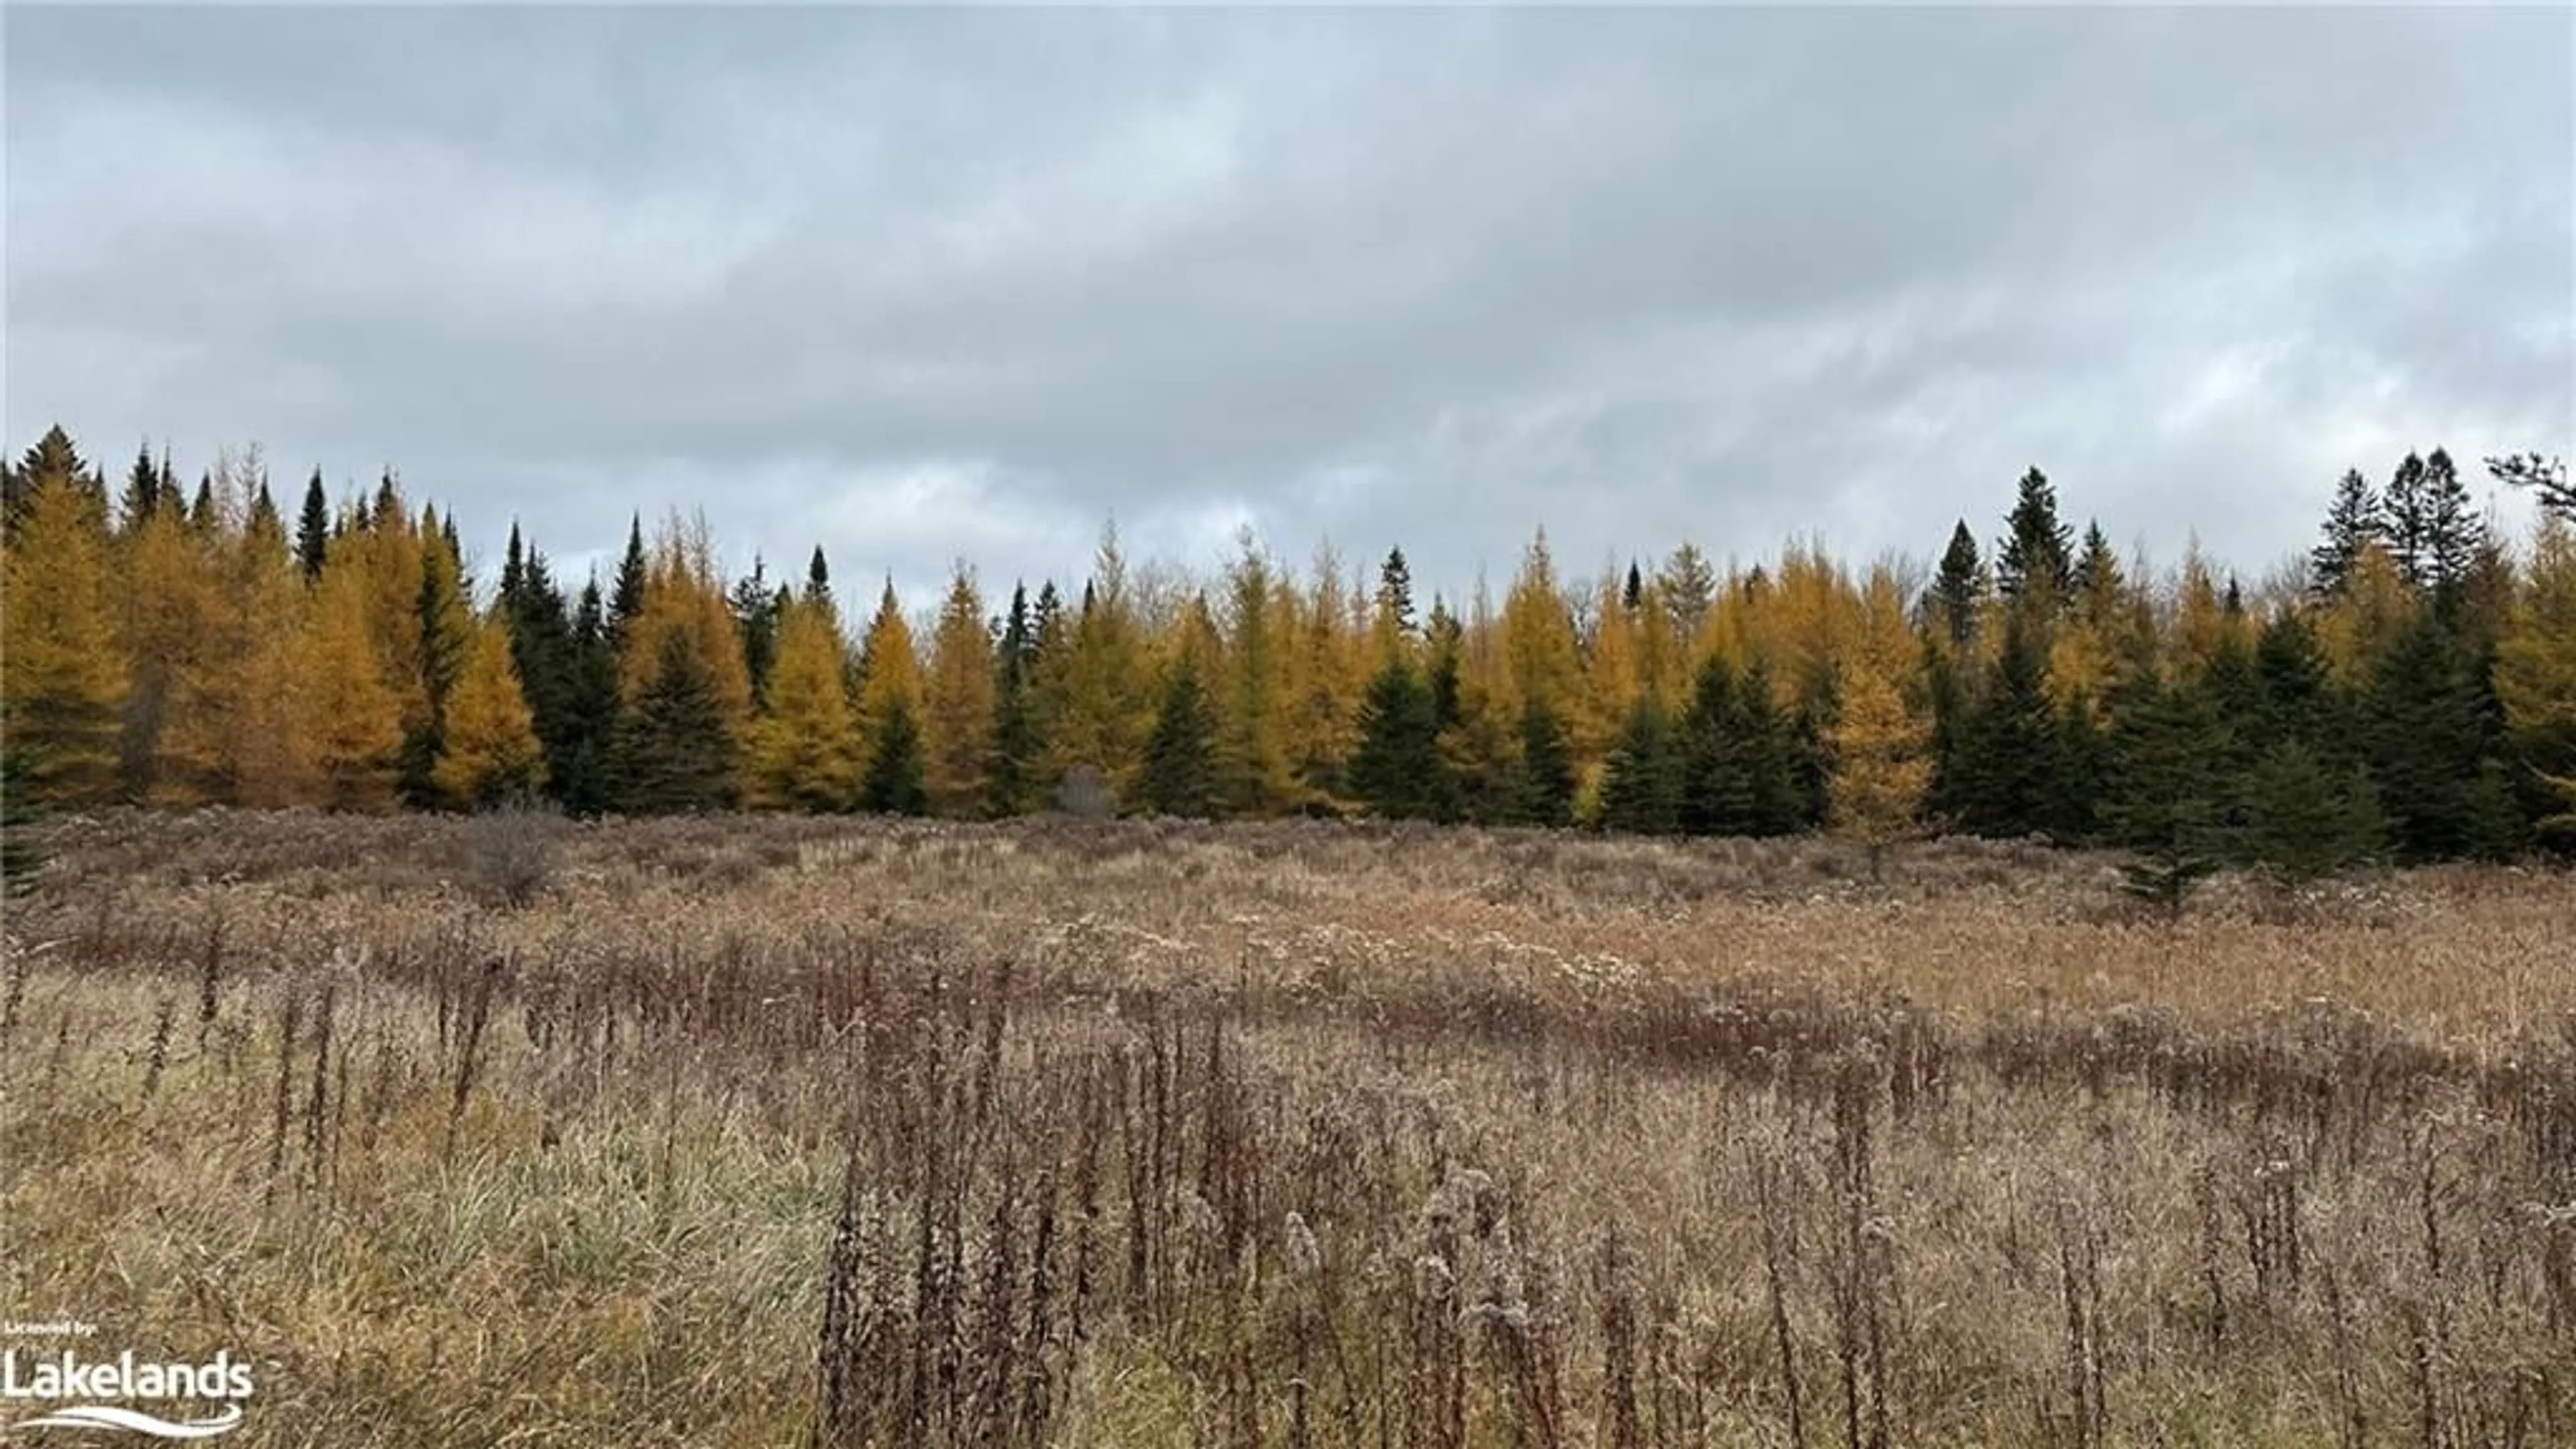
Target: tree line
[{"x": 2408, "y": 694}]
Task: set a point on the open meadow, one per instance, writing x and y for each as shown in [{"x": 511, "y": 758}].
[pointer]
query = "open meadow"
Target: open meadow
[{"x": 810, "y": 1131}]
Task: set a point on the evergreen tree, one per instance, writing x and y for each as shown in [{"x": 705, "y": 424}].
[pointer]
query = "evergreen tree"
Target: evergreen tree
[
  {"x": 2035, "y": 561},
  {"x": 754, "y": 606},
  {"x": 2295, "y": 689},
  {"x": 583, "y": 767},
  {"x": 1958, "y": 588},
  {"x": 818, "y": 576},
  {"x": 20, "y": 854},
  {"x": 896, "y": 782},
  {"x": 142, "y": 492},
  {"x": 52, "y": 461},
  {"x": 2453, "y": 533},
  {"x": 2007, "y": 766},
  {"x": 1018, "y": 743},
  {"x": 626, "y": 603},
  {"x": 1641, "y": 788},
  {"x": 2096, "y": 582},
  {"x": 1179, "y": 777},
  {"x": 1543, "y": 783},
  {"x": 1397, "y": 769},
  {"x": 2409, "y": 510},
  {"x": 2165, "y": 806},
  {"x": 2546, "y": 477},
  {"x": 1395, "y": 592},
  {"x": 2425, "y": 736},
  {"x": 2354, "y": 522},
  {"x": 543, "y": 651},
  {"x": 446, "y": 633},
  {"x": 313, "y": 529},
  {"x": 674, "y": 744},
  {"x": 2307, "y": 817}
]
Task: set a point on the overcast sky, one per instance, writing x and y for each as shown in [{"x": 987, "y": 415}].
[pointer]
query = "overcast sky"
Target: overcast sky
[{"x": 918, "y": 284}]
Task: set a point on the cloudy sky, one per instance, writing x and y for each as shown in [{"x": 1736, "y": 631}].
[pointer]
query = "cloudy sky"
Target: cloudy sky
[{"x": 919, "y": 284}]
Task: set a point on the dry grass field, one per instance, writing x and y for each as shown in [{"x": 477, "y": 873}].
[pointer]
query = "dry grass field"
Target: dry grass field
[{"x": 781, "y": 1132}]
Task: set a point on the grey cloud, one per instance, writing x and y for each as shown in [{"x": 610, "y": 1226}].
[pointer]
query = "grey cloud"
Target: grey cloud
[{"x": 1429, "y": 277}]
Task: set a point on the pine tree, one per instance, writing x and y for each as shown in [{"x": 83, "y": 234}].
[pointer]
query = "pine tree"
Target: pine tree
[
  {"x": 2546, "y": 477},
  {"x": 1543, "y": 782},
  {"x": 1717, "y": 785},
  {"x": 1689, "y": 588},
  {"x": 1882, "y": 766},
  {"x": 895, "y": 782},
  {"x": 2035, "y": 561},
  {"x": 805, "y": 747},
  {"x": 1958, "y": 589},
  {"x": 66, "y": 681},
  {"x": 1179, "y": 777},
  {"x": 1397, "y": 770},
  {"x": 313, "y": 529},
  {"x": 488, "y": 748},
  {"x": 958, "y": 699},
  {"x": 1641, "y": 788},
  {"x": 2353, "y": 523}
]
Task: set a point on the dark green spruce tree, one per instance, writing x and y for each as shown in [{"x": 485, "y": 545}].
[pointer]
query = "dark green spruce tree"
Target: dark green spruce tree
[
  {"x": 2006, "y": 778},
  {"x": 675, "y": 754},
  {"x": 2167, "y": 805},
  {"x": 1180, "y": 756},
  {"x": 313, "y": 528},
  {"x": 1543, "y": 782},
  {"x": 897, "y": 781},
  {"x": 1641, "y": 790},
  {"x": 1397, "y": 769}
]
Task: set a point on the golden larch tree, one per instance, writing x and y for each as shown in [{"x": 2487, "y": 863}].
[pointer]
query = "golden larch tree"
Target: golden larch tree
[
  {"x": 890, "y": 671},
  {"x": 958, "y": 699},
  {"x": 805, "y": 749},
  {"x": 1109, "y": 697},
  {"x": 488, "y": 749},
  {"x": 1881, "y": 762},
  {"x": 2535, "y": 670},
  {"x": 62, "y": 671},
  {"x": 356, "y": 717}
]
